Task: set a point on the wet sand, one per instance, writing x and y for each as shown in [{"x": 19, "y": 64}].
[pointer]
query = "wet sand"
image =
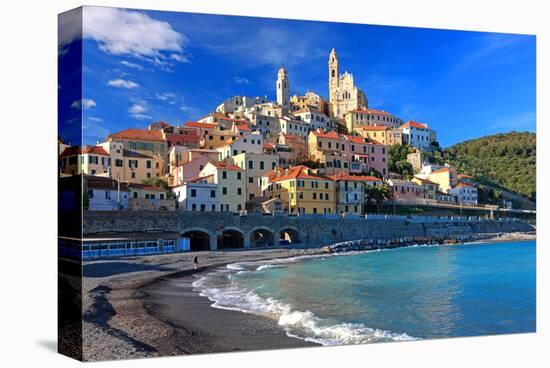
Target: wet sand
[{"x": 136, "y": 308}]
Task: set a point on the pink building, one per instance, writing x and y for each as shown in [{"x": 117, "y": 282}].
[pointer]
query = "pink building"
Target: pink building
[
  {"x": 405, "y": 190},
  {"x": 190, "y": 169}
]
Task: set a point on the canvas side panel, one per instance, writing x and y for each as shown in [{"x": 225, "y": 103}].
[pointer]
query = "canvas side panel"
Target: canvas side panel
[{"x": 70, "y": 194}]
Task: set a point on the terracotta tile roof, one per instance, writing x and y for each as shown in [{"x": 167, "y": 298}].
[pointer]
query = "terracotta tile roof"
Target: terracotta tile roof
[
  {"x": 355, "y": 139},
  {"x": 243, "y": 127},
  {"x": 414, "y": 124},
  {"x": 70, "y": 151},
  {"x": 198, "y": 178},
  {"x": 465, "y": 176},
  {"x": 139, "y": 135},
  {"x": 321, "y": 133},
  {"x": 96, "y": 150},
  {"x": 300, "y": 172},
  {"x": 345, "y": 176},
  {"x": 225, "y": 166},
  {"x": 194, "y": 124},
  {"x": 269, "y": 145},
  {"x": 272, "y": 174}
]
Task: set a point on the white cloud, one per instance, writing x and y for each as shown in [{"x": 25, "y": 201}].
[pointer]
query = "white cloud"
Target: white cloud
[
  {"x": 137, "y": 109},
  {"x": 241, "y": 80},
  {"x": 121, "y": 83},
  {"x": 126, "y": 32},
  {"x": 141, "y": 116},
  {"x": 168, "y": 97},
  {"x": 85, "y": 102},
  {"x": 132, "y": 65},
  {"x": 97, "y": 120}
]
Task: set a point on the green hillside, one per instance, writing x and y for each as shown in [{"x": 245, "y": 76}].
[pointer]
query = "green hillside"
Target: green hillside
[{"x": 506, "y": 160}]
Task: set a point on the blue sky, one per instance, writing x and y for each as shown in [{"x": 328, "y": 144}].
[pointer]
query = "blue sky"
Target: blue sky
[{"x": 143, "y": 66}]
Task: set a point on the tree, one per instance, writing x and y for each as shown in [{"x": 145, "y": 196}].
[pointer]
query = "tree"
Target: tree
[{"x": 378, "y": 194}]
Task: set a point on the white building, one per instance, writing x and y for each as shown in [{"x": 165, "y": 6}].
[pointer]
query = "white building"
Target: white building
[
  {"x": 465, "y": 193},
  {"x": 417, "y": 135},
  {"x": 292, "y": 126},
  {"x": 252, "y": 142},
  {"x": 105, "y": 194},
  {"x": 239, "y": 104},
  {"x": 199, "y": 194},
  {"x": 314, "y": 118}
]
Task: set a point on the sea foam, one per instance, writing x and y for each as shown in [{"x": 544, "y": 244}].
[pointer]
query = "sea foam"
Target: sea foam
[{"x": 220, "y": 288}]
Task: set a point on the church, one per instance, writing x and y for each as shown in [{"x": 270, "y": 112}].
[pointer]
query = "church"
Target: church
[{"x": 344, "y": 95}]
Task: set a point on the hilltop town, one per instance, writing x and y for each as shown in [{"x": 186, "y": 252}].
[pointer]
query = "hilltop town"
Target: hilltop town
[{"x": 300, "y": 155}]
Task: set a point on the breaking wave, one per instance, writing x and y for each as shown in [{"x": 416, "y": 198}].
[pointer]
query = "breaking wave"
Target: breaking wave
[{"x": 220, "y": 287}]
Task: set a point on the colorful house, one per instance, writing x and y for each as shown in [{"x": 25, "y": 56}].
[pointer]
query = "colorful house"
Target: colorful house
[
  {"x": 350, "y": 192},
  {"x": 465, "y": 193},
  {"x": 198, "y": 194},
  {"x": 231, "y": 184},
  {"x": 305, "y": 191},
  {"x": 445, "y": 178},
  {"x": 417, "y": 135},
  {"x": 254, "y": 165},
  {"x": 406, "y": 191}
]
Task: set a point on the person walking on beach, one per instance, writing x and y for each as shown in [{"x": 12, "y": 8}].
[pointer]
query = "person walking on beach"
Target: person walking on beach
[{"x": 195, "y": 261}]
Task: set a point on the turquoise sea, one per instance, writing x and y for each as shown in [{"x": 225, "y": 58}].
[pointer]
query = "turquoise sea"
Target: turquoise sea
[{"x": 418, "y": 292}]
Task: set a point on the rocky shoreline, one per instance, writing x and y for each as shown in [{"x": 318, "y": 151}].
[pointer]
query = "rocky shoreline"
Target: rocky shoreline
[{"x": 125, "y": 314}]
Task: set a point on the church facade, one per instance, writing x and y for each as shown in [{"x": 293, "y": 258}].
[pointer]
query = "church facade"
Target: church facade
[{"x": 344, "y": 95}]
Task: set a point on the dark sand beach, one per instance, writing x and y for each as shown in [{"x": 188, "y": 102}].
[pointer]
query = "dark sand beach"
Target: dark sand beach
[{"x": 146, "y": 307}]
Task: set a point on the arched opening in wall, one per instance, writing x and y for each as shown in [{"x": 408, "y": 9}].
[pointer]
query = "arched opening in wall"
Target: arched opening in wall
[
  {"x": 230, "y": 239},
  {"x": 261, "y": 238},
  {"x": 199, "y": 240},
  {"x": 289, "y": 236}
]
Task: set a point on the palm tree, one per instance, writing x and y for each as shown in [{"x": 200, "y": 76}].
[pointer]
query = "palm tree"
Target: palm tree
[{"x": 378, "y": 194}]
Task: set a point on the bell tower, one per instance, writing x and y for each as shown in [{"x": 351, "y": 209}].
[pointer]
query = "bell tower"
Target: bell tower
[
  {"x": 283, "y": 90},
  {"x": 333, "y": 76}
]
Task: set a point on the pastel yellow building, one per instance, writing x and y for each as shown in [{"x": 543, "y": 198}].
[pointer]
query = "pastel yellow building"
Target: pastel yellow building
[
  {"x": 133, "y": 166},
  {"x": 254, "y": 166},
  {"x": 444, "y": 177},
  {"x": 305, "y": 191},
  {"x": 91, "y": 160},
  {"x": 231, "y": 184},
  {"x": 381, "y": 134}
]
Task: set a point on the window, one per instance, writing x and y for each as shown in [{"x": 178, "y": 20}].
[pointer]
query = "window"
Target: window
[
  {"x": 261, "y": 165},
  {"x": 224, "y": 174},
  {"x": 194, "y": 207},
  {"x": 119, "y": 162},
  {"x": 239, "y": 176},
  {"x": 133, "y": 175},
  {"x": 212, "y": 194},
  {"x": 213, "y": 207},
  {"x": 148, "y": 164},
  {"x": 203, "y": 207},
  {"x": 251, "y": 179},
  {"x": 239, "y": 207},
  {"x": 224, "y": 190},
  {"x": 107, "y": 194},
  {"x": 250, "y": 164},
  {"x": 239, "y": 191},
  {"x": 135, "y": 194},
  {"x": 161, "y": 195},
  {"x": 193, "y": 192},
  {"x": 148, "y": 174}
]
